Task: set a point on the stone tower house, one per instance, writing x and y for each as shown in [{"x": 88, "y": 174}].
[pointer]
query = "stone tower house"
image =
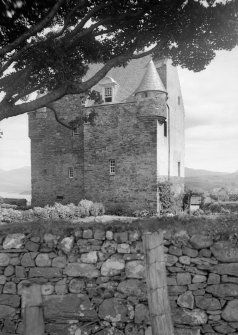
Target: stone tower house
[{"x": 136, "y": 141}]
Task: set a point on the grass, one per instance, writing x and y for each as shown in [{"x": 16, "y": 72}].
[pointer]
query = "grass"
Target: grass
[{"x": 223, "y": 225}]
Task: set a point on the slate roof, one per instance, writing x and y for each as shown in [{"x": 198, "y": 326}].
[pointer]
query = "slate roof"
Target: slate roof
[
  {"x": 129, "y": 78},
  {"x": 151, "y": 80}
]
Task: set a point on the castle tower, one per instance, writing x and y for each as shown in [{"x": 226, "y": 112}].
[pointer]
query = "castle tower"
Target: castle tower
[{"x": 151, "y": 95}]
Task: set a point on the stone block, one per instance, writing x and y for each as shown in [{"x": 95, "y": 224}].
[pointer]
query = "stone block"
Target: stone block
[
  {"x": 121, "y": 237},
  {"x": 123, "y": 248},
  {"x": 211, "y": 304},
  {"x": 109, "y": 247},
  {"x": 10, "y": 288},
  {"x": 45, "y": 272},
  {"x": 142, "y": 314},
  {"x": 200, "y": 241},
  {"x": 76, "y": 285},
  {"x": 114, "y": 310},
  {"x": 3, "y": 279},
  {"x": 12, "y": 300},
  {"x": 81, "y": 270},
  {"x": 47, "y": 289},
  {"x": 213, "y": 278},
  {"x": 113, "y": 266},
  {"x": 199, "y": 279},
  {"x": 189, "y": 252},
  {"x": 170, "y": 259},
  {"x": 69, "y": 307},
  {"x": 99, "y": 234},
  {"x": 4, "y": 259},
  {"x": 223, "y": 290},
  {"x": 109, "y": 235},
  {"x": 14, "y": 241},
  {"x": 87, "y": 233},
  {"x": 32, "y": 246},
  {"x": 59, "y": 262},
  {"x": 184, "y": 278},
  {"x": 20, "y": 272},
  {"x": 43, "y": 260},
  {"x": 132, "y": 287},
  {"x": 186, "y": 331},
  {"x": 194, "y": 317},
  {"x": 67, "y": 244},
  {"x": 134, "y": 235},
  {"x": 135, "y": 269},
  {"x": 175, "y": 290},
  {"x": 186, "y": 300},
  {"x": 185, "y": 260},
  {"x": 9, "y": 271},
  {"x": 90, "y": 257},
  {"x": 61, "y": 286},
  {"x": 175, "y": 251},
  {"x": 27, "y": 260},
  {"x": 230, "y": 312},
  {"x": 7, "y": 311},
  {"x": 225, "y": 251}
]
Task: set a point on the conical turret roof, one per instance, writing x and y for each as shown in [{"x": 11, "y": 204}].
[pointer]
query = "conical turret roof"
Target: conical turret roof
[{"x": 151, "y": 80}]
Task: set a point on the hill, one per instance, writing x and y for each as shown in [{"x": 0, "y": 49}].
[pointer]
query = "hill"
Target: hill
[
  {"x": 206, "y": 181},
  {"x": 15, "y": 181}
]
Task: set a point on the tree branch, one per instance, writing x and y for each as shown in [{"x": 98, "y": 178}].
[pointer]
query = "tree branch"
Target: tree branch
[
  {"x": 58, "y": 119},
  {"x": 33, "y": 30}
]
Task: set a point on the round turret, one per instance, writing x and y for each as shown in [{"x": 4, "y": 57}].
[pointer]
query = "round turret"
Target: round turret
[{"x": 151, "y": 96}]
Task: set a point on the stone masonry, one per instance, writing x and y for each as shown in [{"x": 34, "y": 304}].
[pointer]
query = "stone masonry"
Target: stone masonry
[
  {"x": 132, "y": 132},
  {"x": 93, "y": 282}
]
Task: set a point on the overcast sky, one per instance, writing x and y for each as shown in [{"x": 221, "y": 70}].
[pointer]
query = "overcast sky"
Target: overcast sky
[{"x": 211, "y": 106}]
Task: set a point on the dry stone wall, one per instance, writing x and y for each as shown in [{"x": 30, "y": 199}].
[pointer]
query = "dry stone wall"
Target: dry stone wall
[{"x": 92, "y": 282}]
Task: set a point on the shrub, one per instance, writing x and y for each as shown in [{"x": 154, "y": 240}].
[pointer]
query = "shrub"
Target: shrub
[
  {"x": 86, "y": 204},
  {"x": 168, "y": 201},
  {"x": 97, "y": 209}
]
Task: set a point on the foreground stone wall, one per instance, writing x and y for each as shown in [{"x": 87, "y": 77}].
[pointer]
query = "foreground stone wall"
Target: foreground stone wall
[
  {"x": 202, "y": 282},
  {"x": 92, "y": 282}
]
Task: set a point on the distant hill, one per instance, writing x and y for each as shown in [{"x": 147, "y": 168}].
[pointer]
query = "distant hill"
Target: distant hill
[
  {"x": 202, "y": 180},
  {"x": 15, "y": 181},
  {"x": 197, "y": 172}
]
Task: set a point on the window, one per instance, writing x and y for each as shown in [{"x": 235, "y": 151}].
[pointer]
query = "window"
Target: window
[
  {"x": 108, "y": 94},
  {"x": 112, "y": 167},
  {"x": 179, "y": 169},
  {"x": 165, "y": 129},
  {"x": 71, "y": 172},
  {"x": 75, "y": 131},
  {"x": 179, "y": 100}
]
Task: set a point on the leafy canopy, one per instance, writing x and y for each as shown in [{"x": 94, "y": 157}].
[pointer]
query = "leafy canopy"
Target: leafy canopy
[{"x": 47, "y": 46}]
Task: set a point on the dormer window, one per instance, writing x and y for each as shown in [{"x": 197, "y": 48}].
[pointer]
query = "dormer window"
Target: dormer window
[
  {"x": 108, "y": 94},
  {"x": 108, "y": 89}
]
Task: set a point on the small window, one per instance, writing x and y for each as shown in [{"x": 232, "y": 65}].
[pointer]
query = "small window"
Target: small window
[
  {"x": 179, "y": 100},
  {"x": 71, "y": 172},
  {"x": 179, "y": 169},
  {"x": 75, "y": 131},
  {"x": 59, "y": 197},
  {"x": 112, "y": 167},
  {"x": 108, "y": 94},
  {"x": 146, "y": 94},
  {"x": 165, "y": 129}
]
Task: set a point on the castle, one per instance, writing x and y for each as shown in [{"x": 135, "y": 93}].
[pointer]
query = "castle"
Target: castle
[{"x": 135, "y": 141}]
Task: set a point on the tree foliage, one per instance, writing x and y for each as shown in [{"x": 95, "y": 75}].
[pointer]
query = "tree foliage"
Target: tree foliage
[{"x": 47, "y": 46}]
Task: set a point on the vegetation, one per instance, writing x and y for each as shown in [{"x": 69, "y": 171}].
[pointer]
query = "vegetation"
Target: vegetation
[
  {"x": 47, "y": 46},
  {"x": 9, "y": 213}
]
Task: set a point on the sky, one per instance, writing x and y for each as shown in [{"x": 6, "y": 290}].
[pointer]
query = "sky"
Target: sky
[{"x": 211, "y": 107}]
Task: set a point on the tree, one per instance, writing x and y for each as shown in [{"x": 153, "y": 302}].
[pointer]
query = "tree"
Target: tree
[{"x": 47, "y": 46}]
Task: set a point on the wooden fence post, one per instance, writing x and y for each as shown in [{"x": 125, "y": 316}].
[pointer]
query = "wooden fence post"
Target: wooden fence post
[
  {"x": 33, "y": 321},
  {"x": 159, "y": 306}
]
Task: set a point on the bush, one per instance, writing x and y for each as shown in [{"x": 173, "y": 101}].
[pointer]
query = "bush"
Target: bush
[
  {"x": 86, "y": 204},
  {"x": 97, "y": 209},
  {"x": 168, "y": 201}
]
